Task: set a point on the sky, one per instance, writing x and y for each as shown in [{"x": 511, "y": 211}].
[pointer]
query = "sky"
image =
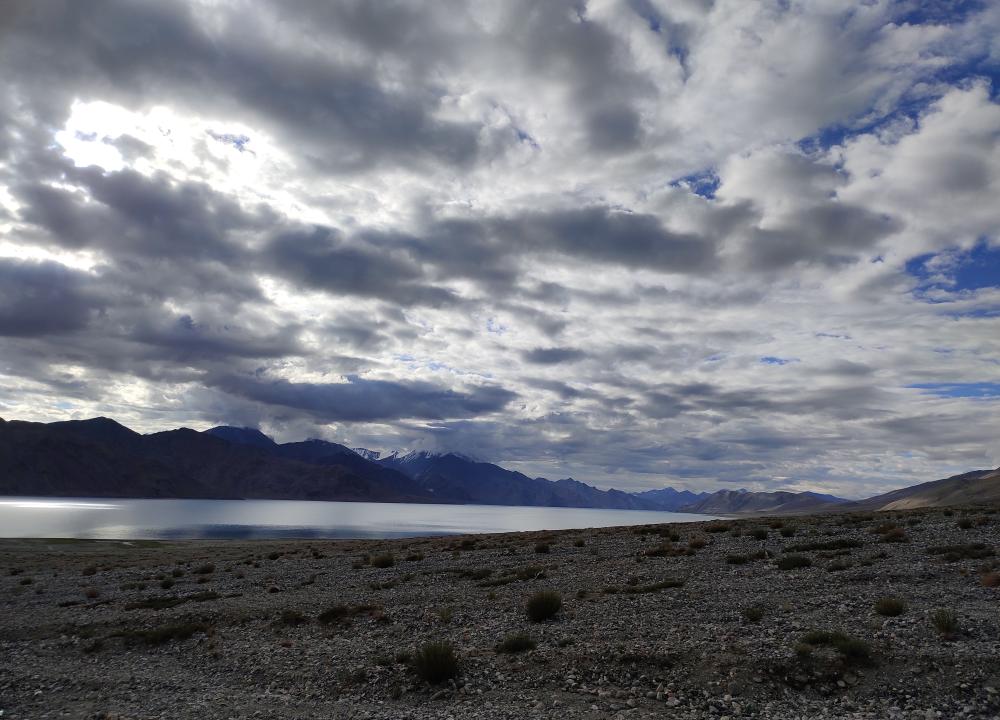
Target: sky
[{"x": 640, "y": 243}]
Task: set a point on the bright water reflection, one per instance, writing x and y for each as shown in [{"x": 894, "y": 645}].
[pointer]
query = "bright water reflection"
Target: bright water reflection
[{"x": 165, "y": 519}]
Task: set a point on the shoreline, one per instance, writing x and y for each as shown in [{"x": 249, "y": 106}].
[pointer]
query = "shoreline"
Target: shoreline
[{"x": 687, "y": 620}]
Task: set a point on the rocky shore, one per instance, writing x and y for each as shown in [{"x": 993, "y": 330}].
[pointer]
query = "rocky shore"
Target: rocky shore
[{"x": 888, "y": 615}]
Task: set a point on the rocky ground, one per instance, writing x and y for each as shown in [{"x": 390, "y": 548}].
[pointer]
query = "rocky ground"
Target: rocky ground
[{"x": 695, "y": 620}]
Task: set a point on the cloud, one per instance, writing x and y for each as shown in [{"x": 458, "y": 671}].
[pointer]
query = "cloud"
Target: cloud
[
  {"x": 557, "y": 235},
  {"x": 363, "y": 400},
  {"x": 44, "y": 298},
  {"x": 554, "y": 355}
]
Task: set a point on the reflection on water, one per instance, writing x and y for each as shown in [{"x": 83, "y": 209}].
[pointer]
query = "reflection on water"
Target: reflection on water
[{"x": 178, "y": 519}]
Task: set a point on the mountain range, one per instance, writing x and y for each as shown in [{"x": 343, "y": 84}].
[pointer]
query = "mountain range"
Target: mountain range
[{"x": 102, "y": 458}]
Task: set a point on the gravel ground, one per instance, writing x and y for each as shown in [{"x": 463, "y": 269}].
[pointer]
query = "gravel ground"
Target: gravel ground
[{"x": 88, "y": 631}]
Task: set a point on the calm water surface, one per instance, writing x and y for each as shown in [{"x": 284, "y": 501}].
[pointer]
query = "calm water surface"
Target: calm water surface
[{"x": 165, "y": 519}]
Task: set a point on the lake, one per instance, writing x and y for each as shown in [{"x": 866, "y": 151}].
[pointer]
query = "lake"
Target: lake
[{"x": 99, "y": 518}]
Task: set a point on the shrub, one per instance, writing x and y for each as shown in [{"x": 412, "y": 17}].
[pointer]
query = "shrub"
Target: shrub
[
  {"x": 435, "y": 662},
  {"x": 896, "y": 535},
  {"x": 579, "y": 542},
  {"x": 164, "y": 633},
  {"x": 89, "y": 570},
  {"x": 517, "y": 642},
  {"x": 344, "y": 613},
  {"x": 274, "y": 556},
  {"x": 654, "y": 587},
  {"x": 717, "y": 527},
  {"x": 954, "y": 553},
  {"x": 759, "y": 533},
  {"x": 991, "y": 579},
  {"x": 383, "y": 560},
  {"x": 792, "y": 562},
  {"x": 91, "y": 593},
  {"x": 753, "y": 614},
  {"x": 166, "y": 583},
  {"x": 787, "y": 531},
  {"x": 697, "y": 543},
  {"x": 946, "y": 622},
  {"x": 206, "y": 569},
  {"x": 292, "y": 617},
  {"x": 543, "y": 605},
  {"x": 965, "y": 523},
  {"x": 850, "y": 648},
  {"x": 542, "y": 548},
  {"x": 737, "y": 559},
  {"x": 838, "y": 544},
  {"x": 890, "y": 606}
]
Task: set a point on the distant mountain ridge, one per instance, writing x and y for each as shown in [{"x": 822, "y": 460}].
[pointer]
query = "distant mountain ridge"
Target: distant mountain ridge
[
  {"x": 102, "y": 458},
  {"x": 467, "y": 480},
  {"x": 776, "y": 503}
]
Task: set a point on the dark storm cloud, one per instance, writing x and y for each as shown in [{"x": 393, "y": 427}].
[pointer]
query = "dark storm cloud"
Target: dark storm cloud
[
  {"x": 339, "y": 114},
  {"x": 44, "y": 298},
  {"x": 553, "y": 355},
  {"x": 182, "y": 338},
  {"x": 829, "y": 234},
  {"x": 603, "y": 234},
  {"x": 559, "y": 41},
  {"x": 359, "y": 399},
  {"x": 321, "y": 259}
]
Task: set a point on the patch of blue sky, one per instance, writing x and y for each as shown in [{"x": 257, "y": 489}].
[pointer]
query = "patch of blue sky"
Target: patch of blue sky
[
  {"x": 704, "y": 183},
  {"x": 773, "y": 360},
  {"x": 956, "y": 272},
  {"x": 978, "y": 390},
  {"x": 913, "y": 104}
]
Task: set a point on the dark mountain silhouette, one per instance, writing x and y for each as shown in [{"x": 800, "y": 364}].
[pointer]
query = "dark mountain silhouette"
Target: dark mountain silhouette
[
  {"x": 670, "y": 499},
  {"x": 100, "y": 458},
  {"x": 725, "y": 502},
  {"x": 463, "y": 479}
]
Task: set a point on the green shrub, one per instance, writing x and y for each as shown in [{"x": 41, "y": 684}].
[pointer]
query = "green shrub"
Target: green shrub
[
  {"x": 542, "y": 548},
  {"x": 753, "y": 614},
  {"x": 838, "y": 544},
  {"x": 383, "y": 560},
  {"x": 792, "y": 562},
  {"x": 954, "y": 553},
  {"x": 206, "y": 569},
  {"x": 517, "y": 642},
  {"x": 164, "y": 633},
  {"x": 435, "y": 662},
  {"x": 653, "y": 587},
  {"x": 850, "y": 648},
  {"x": 543, "y": 605},
  {"x": 890, "y": 606},
  {"x": 946, "y": 622}
]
